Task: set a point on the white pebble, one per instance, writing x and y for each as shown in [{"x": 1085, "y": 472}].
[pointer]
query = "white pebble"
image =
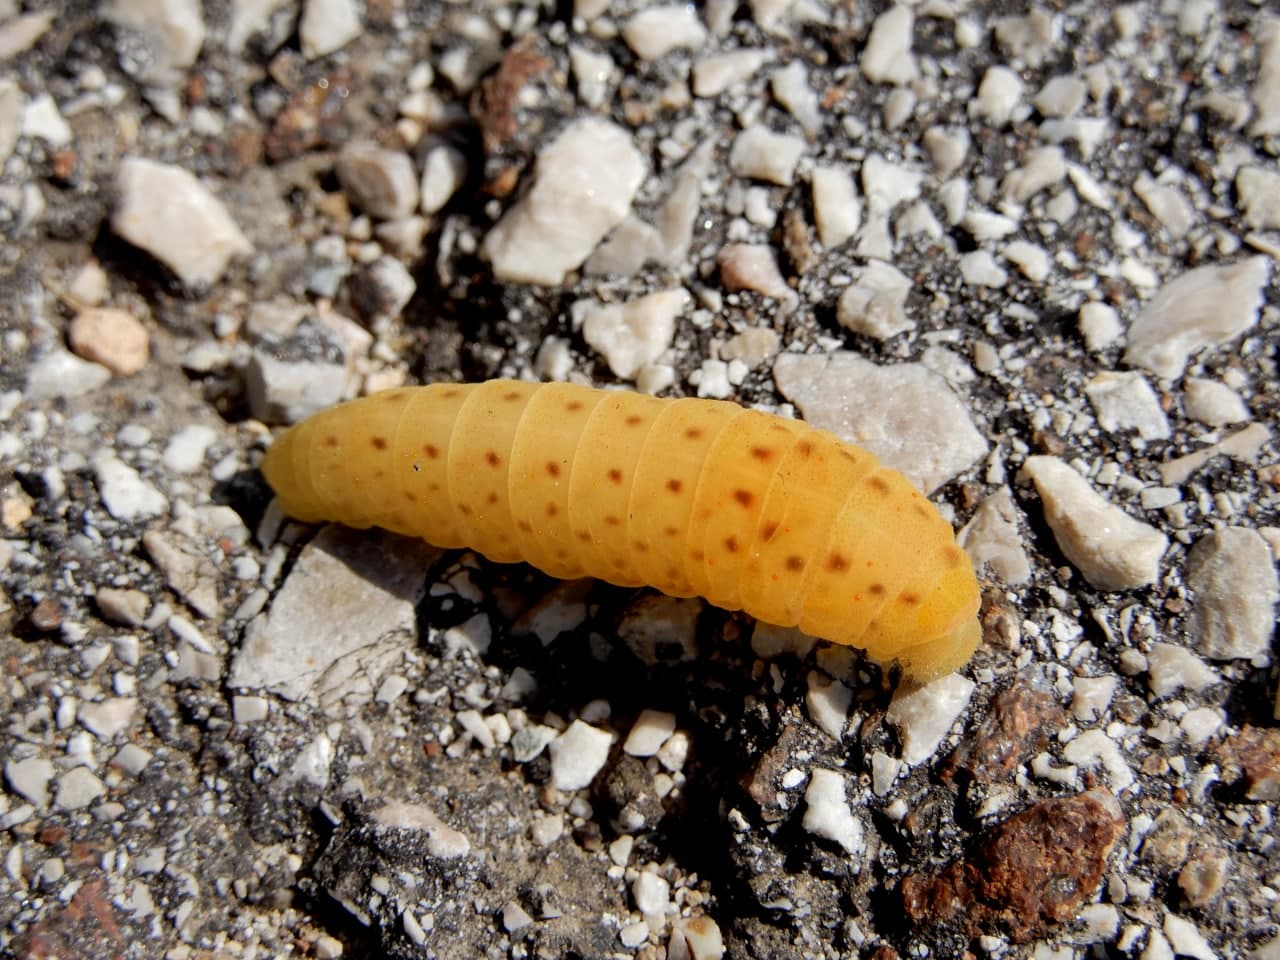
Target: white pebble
[
  {"x": 827, "y": 812},
  {"x": 577, "y": 755},
  {"x": 761, "y": 154}
]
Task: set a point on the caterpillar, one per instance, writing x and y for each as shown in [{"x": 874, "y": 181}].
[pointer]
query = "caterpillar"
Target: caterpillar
[{"x": 692, "y": 497}]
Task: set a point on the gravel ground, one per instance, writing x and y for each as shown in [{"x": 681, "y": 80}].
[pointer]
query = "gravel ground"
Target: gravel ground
[{"x": 1025, "y": 253}]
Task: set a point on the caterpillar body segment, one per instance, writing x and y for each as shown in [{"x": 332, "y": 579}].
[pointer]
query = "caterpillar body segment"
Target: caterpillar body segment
[{"x": 692, "y": 497}]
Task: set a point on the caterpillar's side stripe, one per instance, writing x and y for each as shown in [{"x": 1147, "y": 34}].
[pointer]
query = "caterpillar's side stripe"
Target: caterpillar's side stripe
[{"x": 693, "y": 497}]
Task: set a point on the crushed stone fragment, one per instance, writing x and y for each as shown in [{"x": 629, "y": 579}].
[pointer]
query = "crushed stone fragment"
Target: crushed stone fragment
[{"x": 1235, "y": 590}]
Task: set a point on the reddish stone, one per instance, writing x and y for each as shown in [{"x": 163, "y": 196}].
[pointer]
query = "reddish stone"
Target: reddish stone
[
  {"x": 1035, "y": 870},
  {"x": 85, "y": 929},
  {"x": 1017, "y": 727},
  {"x": 1254, "y": 755},
  {"x": 493, "y": 105}
]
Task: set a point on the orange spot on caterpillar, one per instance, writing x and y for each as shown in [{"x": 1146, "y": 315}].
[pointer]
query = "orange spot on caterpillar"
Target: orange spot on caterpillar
[
  {"x": 795, "y": 563},
  {"x": 768, "y": 530},
  {"x": 612, "y": 520},
  {"x": 639, "y": 546},
  {"x": 584, "y": 536},
  {"x": 731, "y": 544},
  {"x": 674, "y": 485},
  {"x": 744, "y": 497},
  {"x": 331, "y": 441},
  {"x": 762, "y": 453},
  {"x": 909, "y": 599},
  {"x": 379, "y": 474},
  {"x": 879, "y": 484},
  {"x": 431, "y": 450},
  {"x": 379, "y": 443},
  {"x": 464, "y": 509},
  {"x": 615, "y": 476},
  {"x": 433, "y": 487},
  {"x": 492, "y": 498},
  {"x": 805, "y": 448},
  {"x": 524, "y": 526},
  {"x": 411, "y": 496},
  {"x": 697, "y": 555},
  {"x": 450, "y": 393},
  {"x": 693, "y": 433},
  {"x": 837, "y": 561},
  {"x": 921, "y": 510},
  {"x": 634, "y": 420},
  {"x": 553, "y": 468},
  {"x": 670, "y": 531},
  {"x": 552, "y": 509},
  {"x": 511, "y": 396},
  {"x": 573, "y": 406},
  {"x": 876, "y": 589},
  {"x": 953, "y": 556},
  {"x": 491, "y": 457}
]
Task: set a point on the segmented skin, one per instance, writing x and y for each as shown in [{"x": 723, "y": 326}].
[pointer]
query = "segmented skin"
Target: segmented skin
[{"x": 693, "y": 497}]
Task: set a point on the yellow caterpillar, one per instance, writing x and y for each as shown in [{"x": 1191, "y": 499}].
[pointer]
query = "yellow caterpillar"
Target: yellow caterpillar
[{"x": 693, "y": 497}]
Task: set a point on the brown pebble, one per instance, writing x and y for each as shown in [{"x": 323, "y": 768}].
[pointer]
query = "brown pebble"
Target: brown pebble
[{"x": 112, "y": 337}]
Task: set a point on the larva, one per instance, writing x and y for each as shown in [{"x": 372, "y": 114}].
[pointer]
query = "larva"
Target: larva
[{"x": 693, "y": 497}]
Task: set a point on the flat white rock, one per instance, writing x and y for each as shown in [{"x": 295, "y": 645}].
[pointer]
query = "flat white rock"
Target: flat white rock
[
  {"x": 1203, "y": 307},
  {"x": 718, "y": 72},
  {"x": 827, "y": 812},
  {"x": 658, "y": 30},
  {"x": 887, "y": 57},
  {"x": 328, "y": 25},
  {"x": 443, "y": 841},
  {"x": 171, "y": 215},
  {"x": 836, "y": 210},
  {"x": 905, "y": 413},
  {"x": 1171, "y": 668},
  {"x": 992, "y": 540},
  {"x": 349, "y": 590},
  {"x": 1259, "y": 192},
  {"x": 124, "y": 493},
  {"x": 1112, "y": 550},
  {"x": 875, "y": 304},
  {"x": 1094, "y": 748},
  {"x": 1213, "y": 403},
  {"x": 651, "y": 730},
  {"x": 577, "y": 755},
  {"x": 924, "y": 714},
  {"x": 761, "y": 154},
  {"x": 999, "y": 94},
  {"x": 1125, "y": 401},
  {"x": 631, "y": 335},
  {"x": 171, "y": 30},
  {"x": 60, "y": 373},
  {"x": 1265, "y": 93},
  {"x": 1235, "y": 589},
  {"x": 584, "y": 182}
]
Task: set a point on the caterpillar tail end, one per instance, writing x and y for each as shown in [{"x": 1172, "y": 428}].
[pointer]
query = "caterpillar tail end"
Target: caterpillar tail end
[
  {"x": 945, "y": 654},
  {"x": 278, "y": 469}
]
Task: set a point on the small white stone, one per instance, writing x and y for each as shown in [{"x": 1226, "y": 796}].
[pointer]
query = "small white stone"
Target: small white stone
[
  {"x": 1265, "y": 93},
  {"x": 925, "y": 714},
  {"x": 444, "y": 170},
  {"x": 1203, "y": 307},
  {"x": 889, "y": 184},
  {"x": 651, "y": 893},
  {"x": 171, "y": 215},
  {"x": 76, "y": 789},
  {"x": 655, "y": 31},
  {"x": 1091, "y": 696},
  {"x": 29, "y": 778},
  {"x": 1061, "y": 96},
  {"x": 186, "y": 449},
  {"x": 1259, "y": 192},
  {"x": 716, "y": 73},
  {"x": 1235, "y": 592},
  {"x": 1111, "y": 549},
  {"x": 41, "y": 120},
  {"x": 752, "y": 266},
  {"x": 443, "y": 841},
  {"x": 948, "y": 148},
  {"x": 634, "y": 935},
  {"x": 993, "y": 541},
  {"x": 827, "y": 812},
  {"x": 1031, "y": 259},
  {"x": 1094, "y": 748},
  {"x": 60, "y": 373},
  {"x": 651, "y": 730},
  {"x": 828, "y": 703},
  {"x": 884, "y": 771},
  {"x": 1213, "y": 403},
  {"x": 887, "y": 57},
  {"x": 1167, "y": 204},
  {"x": 1173, "y": 668},
  {"x": 584, "y": 182},
  {"x": 591, "y": 73},
  {"x": 633, "y": 335},
  {"x": 1041, "y": 168},
  {"x": 132, "y": 759},
  {"x": 1199, "y": 724},
  {"x": 875, "y": 303},
  {"x": 249, "y": 709},
  {"x": 514, "y": 917},
  {"x": 379, "y": 181},
  {"x": 1099, "y": 325},
  {"x": 698, "y": 936},
  {"x": 1089, "y": 133},
  {"x": 1186, "y": 939},
  {"x": 577, "y": 755},
  {"x": 979, "y": 268},
  {"x": 790, "y": 86},
  {"x": 107, "y": 719},
  {"x": 1125, "y": 401},
  {"x": 328, "y": 25},
  {"x": 124, "y": 493},
  {"x": 998, "y": 95},
  {"x": 836, "y": 209},
  {"x": 761, "y": 154}
]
